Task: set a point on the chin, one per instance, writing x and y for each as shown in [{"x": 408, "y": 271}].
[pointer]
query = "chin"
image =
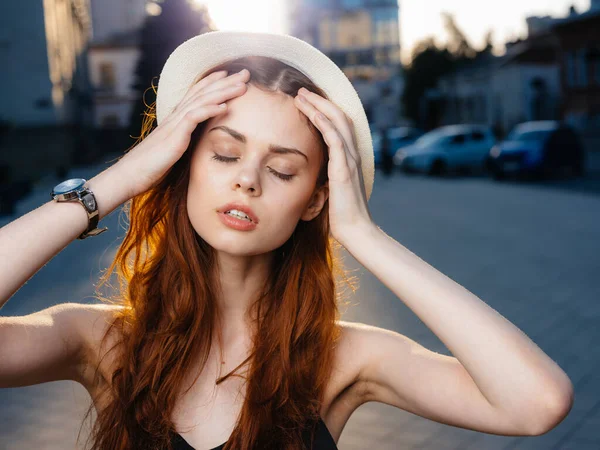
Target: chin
[
  {"x": 233, "y": 242},
  {"x": 237, "y": 247}
]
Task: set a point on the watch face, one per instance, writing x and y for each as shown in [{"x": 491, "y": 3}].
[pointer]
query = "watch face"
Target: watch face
[{"x": 69, "y": 185}]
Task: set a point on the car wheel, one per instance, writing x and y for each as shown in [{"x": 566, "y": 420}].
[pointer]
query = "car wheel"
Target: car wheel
[
  {"x": 488, "y": 166},
  {"x": 545, "y": 172},
  {"x": 438, "y": 168},
  {"x": 497, "y": 174},
  {"x": 464, "y": 170},
  {"x": 578, "y": 168}
]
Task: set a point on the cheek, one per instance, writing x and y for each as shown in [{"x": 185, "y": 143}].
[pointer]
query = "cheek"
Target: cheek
[
  {"x": 202, "y": 178},
  {"x": 201, "y": 188},
  {"x": 290, "y": 204}
]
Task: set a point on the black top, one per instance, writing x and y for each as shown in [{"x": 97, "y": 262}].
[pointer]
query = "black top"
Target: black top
[{"x": 323, "y": 440}]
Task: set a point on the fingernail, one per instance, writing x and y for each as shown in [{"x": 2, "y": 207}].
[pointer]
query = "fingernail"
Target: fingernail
[
  {"x": 302, "y": 98},
  {"x": 243, "y": 72}
]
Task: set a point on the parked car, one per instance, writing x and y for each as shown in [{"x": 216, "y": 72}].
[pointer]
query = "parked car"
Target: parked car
[
  {"x": 399, "y": 137},
  {"x": 538, "y": 148},
  {"x": 449, "y": 148}
]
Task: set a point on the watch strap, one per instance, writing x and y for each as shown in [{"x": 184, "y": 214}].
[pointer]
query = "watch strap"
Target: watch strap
[{"x": 88, "y": 201}]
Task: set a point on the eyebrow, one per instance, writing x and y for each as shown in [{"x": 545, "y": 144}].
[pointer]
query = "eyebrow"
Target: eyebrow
[{"x": 272, "y": 147}]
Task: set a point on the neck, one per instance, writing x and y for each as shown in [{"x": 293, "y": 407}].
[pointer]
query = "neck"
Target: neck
[{"x": 241, "y": 281}]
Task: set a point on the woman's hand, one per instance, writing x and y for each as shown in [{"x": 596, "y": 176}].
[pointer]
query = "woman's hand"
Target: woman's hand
[
  {"x": 148, "y": 161},
  {"x": 348, "y": 210}
]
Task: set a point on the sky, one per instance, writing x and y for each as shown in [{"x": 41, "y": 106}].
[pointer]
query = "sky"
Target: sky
[{"x": 418, "y": 18}]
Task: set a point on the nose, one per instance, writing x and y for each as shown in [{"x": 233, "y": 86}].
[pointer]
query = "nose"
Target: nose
[{"x": 248, "y": 180}]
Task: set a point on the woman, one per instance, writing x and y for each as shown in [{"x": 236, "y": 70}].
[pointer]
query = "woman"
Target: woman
[{"x": 225, "y": 332}]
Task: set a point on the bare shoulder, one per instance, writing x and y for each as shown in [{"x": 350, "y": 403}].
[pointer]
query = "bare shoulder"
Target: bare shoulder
[
  {"x": 56, "y": 343},
  {"x": 348, "y": 387},
  {"x": 354, "y": 347},
  {"x": 359, "y": 348},
  {"x": 95, "y": 321},
  {"x": 360, "y": 336},
  {"x": 96, "y": 318}
]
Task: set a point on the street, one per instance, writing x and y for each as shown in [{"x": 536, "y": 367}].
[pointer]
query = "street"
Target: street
[{"x": 529, "y": 250}]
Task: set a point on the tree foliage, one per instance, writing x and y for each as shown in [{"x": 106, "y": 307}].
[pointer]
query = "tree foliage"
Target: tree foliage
[
  {"x": 178, "y": 21},
  {"x": 429, "y": 62},
  {"x": 457, "y": 43}
]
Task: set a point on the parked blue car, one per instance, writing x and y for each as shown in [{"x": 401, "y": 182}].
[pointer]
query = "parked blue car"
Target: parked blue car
[
  {"x": 399, "y": 137},
  {"x": 539, "y": 148}
]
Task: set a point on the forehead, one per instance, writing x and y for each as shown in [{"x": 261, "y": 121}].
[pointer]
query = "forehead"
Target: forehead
[{"x": 267, "y": 118}]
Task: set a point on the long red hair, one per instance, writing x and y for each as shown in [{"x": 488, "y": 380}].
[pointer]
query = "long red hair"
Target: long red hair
[{"x": 166, "y": 275}]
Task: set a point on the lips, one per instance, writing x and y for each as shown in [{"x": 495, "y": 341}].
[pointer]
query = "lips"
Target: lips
[{"x": 240, "y": 207}]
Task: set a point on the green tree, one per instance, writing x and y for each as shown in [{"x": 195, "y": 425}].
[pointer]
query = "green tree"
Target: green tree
[
  {"x": 458, "y": 44},
  {"x": 430, "y": 62},
  {"x": 489, "y": 44},
  {"x": 178, "y": 21}
]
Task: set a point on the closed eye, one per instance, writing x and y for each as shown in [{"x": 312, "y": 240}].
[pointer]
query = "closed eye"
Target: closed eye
[
  {"x": 228, "y": 160},
  {"x": 224, "y": 158}
]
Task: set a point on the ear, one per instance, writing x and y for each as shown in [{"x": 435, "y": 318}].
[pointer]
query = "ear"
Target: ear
[{"x": 317, "y": 201}]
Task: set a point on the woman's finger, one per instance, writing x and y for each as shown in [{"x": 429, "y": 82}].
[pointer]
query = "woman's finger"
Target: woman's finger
[
  {"x": 217, "y": 84},
  {"x": 190, "y": 120},
  {"x": 206, "y": 81},
  {"x": 194, "y": 88},
  {"x": 213, "y": 98},
  {"x": 312, "y": 113},
  {"x": 339, "y": 158},
  {"x": 332, "y": 112}
]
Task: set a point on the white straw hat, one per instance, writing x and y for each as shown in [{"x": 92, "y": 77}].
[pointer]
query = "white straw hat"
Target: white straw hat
[{"x": 203, "y": 52}]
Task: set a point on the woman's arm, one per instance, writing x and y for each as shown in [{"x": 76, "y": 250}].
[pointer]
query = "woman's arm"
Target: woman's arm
[
  {"x": 499, "y": 381},
  {"x": 32, "y": 240},
  {"x": 49, "y": 345}
]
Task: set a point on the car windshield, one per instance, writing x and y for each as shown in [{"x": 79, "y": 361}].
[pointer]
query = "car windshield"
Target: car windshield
[
  {"x": 431, "y": 138},
  {"x": 533, "y": 135},
  {"x": 401, "y": 133}
]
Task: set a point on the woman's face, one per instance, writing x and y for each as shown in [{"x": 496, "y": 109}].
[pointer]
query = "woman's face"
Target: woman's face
[{"x": 278, "y": 185}]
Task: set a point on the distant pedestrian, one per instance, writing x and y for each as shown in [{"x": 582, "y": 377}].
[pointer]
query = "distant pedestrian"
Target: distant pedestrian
[{"x": 387, "y": 159}]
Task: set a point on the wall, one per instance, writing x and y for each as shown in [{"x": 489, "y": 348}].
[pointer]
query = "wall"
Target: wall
[
  {"x": 25, "y": 89},
  {"x": 117, "y": 101},
  {"x": 42, "y": 56},
  {"x": 115, "y": 16}
]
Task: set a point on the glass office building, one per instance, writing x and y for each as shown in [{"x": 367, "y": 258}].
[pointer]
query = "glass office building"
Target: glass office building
[
  {"x": 362, "y": 37},
  {"x": 359, "y": 35}
]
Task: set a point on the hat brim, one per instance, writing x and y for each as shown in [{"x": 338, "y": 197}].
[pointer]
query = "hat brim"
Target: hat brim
[{"x": 203, "y": 52}]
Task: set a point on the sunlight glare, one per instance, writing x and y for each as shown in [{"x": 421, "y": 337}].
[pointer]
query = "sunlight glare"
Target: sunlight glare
[{"x": 244, "y": 15}]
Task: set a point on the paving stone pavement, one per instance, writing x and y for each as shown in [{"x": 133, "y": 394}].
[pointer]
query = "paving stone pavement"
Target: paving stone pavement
[{"x": 529, "y": 250}]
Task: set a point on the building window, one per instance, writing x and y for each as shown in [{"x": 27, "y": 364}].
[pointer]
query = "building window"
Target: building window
[
  {"x": 108, "y": 79},
  {"x": 385, "y": 26},
  {"x": 327, "y": 34}
]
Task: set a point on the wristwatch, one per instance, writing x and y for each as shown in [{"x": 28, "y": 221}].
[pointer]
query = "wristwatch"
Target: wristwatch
[{"x": 76, "y": 189}]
